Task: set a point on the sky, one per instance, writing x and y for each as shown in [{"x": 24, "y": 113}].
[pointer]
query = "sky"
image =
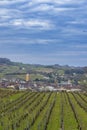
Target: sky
[{"x": 44, "y": 31}]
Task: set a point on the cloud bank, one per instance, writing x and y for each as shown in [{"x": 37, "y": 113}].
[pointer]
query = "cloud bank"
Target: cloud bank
[{"x": 50, "y": 26}]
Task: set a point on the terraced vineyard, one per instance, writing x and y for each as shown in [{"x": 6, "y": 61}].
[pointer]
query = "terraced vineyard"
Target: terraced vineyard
[{"x": 42, "y": 110}]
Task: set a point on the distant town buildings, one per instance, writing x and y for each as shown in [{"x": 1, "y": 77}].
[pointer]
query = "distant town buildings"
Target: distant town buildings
[
  {"x": 65, "y": 84},
  {"x": 38, "y": 85}
]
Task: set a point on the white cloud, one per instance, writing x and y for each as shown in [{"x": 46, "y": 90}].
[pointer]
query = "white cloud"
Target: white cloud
[
  {"x": 10, "y": 13},
  {"x": 52, "y": 2},
  {"x": 78, "y": 21},
  {"x": 40, "y": 1},
  {"x": 27, "y": 41},
  {"x": 18, "y": 17},
  {"x": 6, "y": 2},
  {"x": 49, "y": 9},
  {"x": 32, "y": 23},
  {"x": 14, "y": 17},
  {"x": 56, "y": 1}
]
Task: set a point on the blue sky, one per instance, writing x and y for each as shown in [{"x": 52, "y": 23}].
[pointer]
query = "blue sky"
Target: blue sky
[{"x": 44, "y": 31}]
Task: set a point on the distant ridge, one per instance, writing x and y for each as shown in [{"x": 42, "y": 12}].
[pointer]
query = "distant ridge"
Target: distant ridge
[{"x": 5, "y": 61}]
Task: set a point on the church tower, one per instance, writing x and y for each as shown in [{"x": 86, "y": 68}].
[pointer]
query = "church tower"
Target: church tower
[{"x": 27, "y": 77}]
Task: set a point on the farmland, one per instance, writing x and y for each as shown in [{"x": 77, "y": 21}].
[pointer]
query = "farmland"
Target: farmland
[{"x": 26, "y": 110}]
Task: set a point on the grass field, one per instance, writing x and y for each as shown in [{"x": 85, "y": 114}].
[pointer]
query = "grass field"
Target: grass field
[{"x": 27, "y": 110}]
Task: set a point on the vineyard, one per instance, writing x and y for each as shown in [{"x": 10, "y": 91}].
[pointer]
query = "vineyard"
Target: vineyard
[{"x": 26, "y": 110}]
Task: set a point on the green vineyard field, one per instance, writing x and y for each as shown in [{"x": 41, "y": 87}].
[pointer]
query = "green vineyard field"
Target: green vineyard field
[{"x": 26, "y": 110}]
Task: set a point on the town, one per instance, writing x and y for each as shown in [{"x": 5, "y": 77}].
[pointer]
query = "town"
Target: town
[
  {"x": 38, "y": 85},
  {"x": 19, "y": 76}
]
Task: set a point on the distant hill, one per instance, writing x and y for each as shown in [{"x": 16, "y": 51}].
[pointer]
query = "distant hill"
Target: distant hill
[{"x": 5, "y": 61}]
